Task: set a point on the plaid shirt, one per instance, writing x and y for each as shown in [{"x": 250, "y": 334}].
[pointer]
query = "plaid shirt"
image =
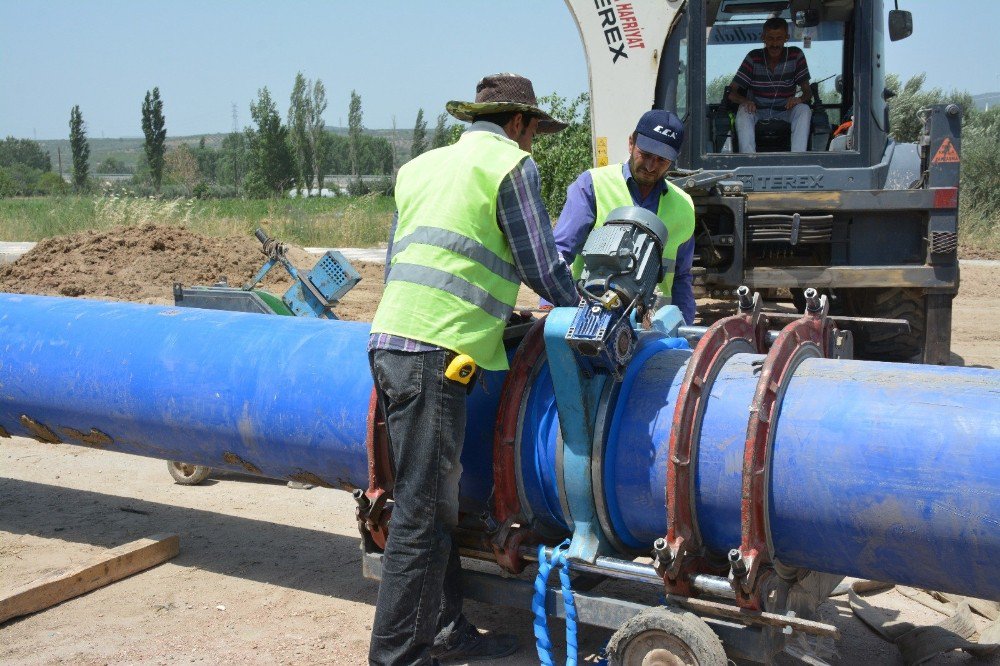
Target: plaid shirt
[{"x": 522, "y": 217}]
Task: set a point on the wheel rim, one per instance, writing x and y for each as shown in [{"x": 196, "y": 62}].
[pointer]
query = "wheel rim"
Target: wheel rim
[
  {"x": 658, "y": 648},
  {"x": 185, "y": 469}
]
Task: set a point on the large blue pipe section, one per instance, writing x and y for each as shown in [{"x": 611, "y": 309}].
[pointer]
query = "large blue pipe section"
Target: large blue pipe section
[
  {"x": 883, "y": 471},
  {"x": 285, "y": 397}
]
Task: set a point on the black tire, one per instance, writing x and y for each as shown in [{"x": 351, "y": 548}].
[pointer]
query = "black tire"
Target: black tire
[
  {"x": 668, "y": 637},
  {"x": 187, "y": 475},
  {"x": 889, "y": 303}
]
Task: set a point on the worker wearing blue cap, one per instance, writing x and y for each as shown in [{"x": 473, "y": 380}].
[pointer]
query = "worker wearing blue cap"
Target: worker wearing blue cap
[{"x": 640, "y": 181}]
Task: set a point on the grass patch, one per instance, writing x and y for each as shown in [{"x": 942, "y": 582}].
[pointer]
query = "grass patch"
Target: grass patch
[
  {"x": 978, "y": 234},
  {"x": 341, "y": 222}
]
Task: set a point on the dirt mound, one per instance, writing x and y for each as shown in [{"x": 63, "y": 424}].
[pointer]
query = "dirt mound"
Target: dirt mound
[{"x": 141, "y": 264}]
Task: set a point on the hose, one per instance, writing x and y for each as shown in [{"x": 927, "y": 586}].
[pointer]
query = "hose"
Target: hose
[{"x": 543, "y": 644}]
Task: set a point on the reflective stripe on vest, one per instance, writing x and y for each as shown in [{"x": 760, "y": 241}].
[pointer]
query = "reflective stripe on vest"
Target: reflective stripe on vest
[
  {"x": 675, "y": 209},
  {"x": 460, "y": 244},
  {"x": 445, "y": 281},
  {"x": 452, "y": 280}
]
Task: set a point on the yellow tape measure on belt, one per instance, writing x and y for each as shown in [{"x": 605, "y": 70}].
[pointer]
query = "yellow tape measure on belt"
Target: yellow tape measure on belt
[{"x": 461, "y": 369}]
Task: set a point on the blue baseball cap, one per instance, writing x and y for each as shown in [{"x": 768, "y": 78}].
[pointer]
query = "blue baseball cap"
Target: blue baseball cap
[{"x": 661, "y": 133}]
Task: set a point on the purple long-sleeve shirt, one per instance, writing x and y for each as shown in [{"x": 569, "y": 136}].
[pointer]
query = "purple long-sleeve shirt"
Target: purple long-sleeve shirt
[{"x": 577, "y": 221}]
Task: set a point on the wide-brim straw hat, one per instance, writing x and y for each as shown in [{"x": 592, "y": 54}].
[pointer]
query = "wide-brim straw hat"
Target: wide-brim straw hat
[{"x": 502, "y": 93}]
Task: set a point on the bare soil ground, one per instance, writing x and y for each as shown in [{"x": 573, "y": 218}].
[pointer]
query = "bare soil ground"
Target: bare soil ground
[{"x": 266, "y": 574}]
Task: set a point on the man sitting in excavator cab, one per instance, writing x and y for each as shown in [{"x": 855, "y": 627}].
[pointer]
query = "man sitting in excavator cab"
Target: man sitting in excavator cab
[{"x": 765, "y": 87}]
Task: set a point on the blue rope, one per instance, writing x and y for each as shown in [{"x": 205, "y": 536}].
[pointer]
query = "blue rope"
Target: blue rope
[{"x": 543, "y": 644}]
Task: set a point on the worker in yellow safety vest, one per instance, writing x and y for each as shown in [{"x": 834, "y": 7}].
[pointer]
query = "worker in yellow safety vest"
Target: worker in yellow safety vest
[
  {"x": 469, "y": 228},
  {"x": 640, "y": 181}
]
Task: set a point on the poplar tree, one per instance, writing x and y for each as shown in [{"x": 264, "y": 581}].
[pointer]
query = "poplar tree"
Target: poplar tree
[
  {"x": 354, "y": 129},
  {"x": 155, "y": 131},
  {"x": 317, "y": 127},
  {"x": 79, "y": 148},
  {"x": 299, "y": 114},
  {"x": 419, "y": 144},
  {"x": 441, "y": 134}
]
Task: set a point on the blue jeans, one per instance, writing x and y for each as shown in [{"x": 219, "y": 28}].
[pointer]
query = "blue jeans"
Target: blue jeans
[{"x": 420, "y": 597}]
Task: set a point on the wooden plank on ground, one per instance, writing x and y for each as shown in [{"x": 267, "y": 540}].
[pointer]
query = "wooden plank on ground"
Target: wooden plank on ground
[{"x": 108, "y": 567}]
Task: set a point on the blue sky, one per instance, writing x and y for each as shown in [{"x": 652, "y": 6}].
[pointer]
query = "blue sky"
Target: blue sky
[{"x": 399, "y": 55}]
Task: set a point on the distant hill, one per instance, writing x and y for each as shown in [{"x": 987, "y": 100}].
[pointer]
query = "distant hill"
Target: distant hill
[
  {"x": 984, "y": 100},
  {"x": 128, "y": 149}
]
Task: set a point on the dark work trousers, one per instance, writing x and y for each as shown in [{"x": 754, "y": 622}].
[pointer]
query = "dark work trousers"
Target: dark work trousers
[{"x": 420, "y": 596}]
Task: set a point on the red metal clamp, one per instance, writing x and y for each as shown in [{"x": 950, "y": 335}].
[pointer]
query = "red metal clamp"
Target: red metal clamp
[
  {"x": 506, "y": 502},
  {"x": 372, "y": 513},
  {"x": 807, "y": 337},
  {"x": 681, "y": 555}
]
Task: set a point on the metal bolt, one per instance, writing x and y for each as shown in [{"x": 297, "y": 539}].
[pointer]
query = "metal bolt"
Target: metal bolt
[
  {"x": 745, "y": 301},
  {"x": 361, "y": 499},
  {"x": 660, "y": 545},
  {"x": 812, "y": 300},
  {"x": 736, "y": 562},
  {"x": 489, "y": 521}
]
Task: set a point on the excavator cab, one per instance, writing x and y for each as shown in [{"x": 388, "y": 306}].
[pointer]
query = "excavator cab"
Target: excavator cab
[
  {"x": 871, "y": 222},
  {"x": 734, "y": 29}
]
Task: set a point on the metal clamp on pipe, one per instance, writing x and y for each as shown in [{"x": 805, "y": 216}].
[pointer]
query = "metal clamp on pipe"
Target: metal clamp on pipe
[
  {"x": 373, "y": 511},
  {"x": 680, "y": 556},
  {"x": 811, "y": 336}
]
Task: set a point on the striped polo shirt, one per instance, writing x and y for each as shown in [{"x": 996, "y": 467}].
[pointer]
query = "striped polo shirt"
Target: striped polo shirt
[{"x": 771, "y": 89}]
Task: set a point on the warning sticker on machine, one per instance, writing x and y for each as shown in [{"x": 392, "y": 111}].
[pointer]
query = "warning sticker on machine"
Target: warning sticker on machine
[
  {"x": 946, "y": 153},
  {"x": 602, "y": 151}
]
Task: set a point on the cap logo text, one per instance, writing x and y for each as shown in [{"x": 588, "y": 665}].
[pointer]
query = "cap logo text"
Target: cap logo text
[{"x": 665, "y": 131}]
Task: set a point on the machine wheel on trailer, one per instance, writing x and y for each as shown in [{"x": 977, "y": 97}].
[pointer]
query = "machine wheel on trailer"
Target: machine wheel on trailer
[
  {"x": 668, "y": 637},
  {"x": 186, "y": 474}
]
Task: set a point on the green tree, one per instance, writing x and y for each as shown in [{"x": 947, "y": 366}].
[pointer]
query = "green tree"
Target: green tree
[
  {"x": 441, "y": 132},
  {"x": 8, "y": 188},
  {"x": 317, "y": 129},
  {"x": 299, "y": 115},
  {"x": 354, "y": 130},
  {"x": 563, "y": 156},
  {"x": 716, "y": 87},
  {"x": 233, "y": 160},
  {"x": 79, "y": 147},
  {"x": 271, "y": 166},
  {"x": 22, "y": 180},
  {"x": 375, "y": 155},
  {"x": 208, "y": 161},
  {"x": 111, "y": 164},
  {"x": 905, "y": 122},
  {"x": 334, "y": 156},
  {"x": 419, "y": 144},
  {"x": 24, "y": 151},
  {"x": 52, "y": 183},
  {"x": 180, "y": 167},
  {"x": 980, "y": 172},
  {"x": 155, "y": 131}
]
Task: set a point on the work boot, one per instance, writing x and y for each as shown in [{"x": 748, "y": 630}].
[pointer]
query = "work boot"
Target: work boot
[{"x": 477, "y": 646}]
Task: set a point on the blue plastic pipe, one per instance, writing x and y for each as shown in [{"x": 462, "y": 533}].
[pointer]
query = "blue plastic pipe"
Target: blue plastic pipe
[
  {"x": 284, "y": 397},
  {"x": 882, "y": 471},
  {"x": 879, "y": 470}
]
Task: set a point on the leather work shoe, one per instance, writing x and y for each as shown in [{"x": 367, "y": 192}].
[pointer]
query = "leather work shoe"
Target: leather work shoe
[{"x": 477, "y": 646}]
